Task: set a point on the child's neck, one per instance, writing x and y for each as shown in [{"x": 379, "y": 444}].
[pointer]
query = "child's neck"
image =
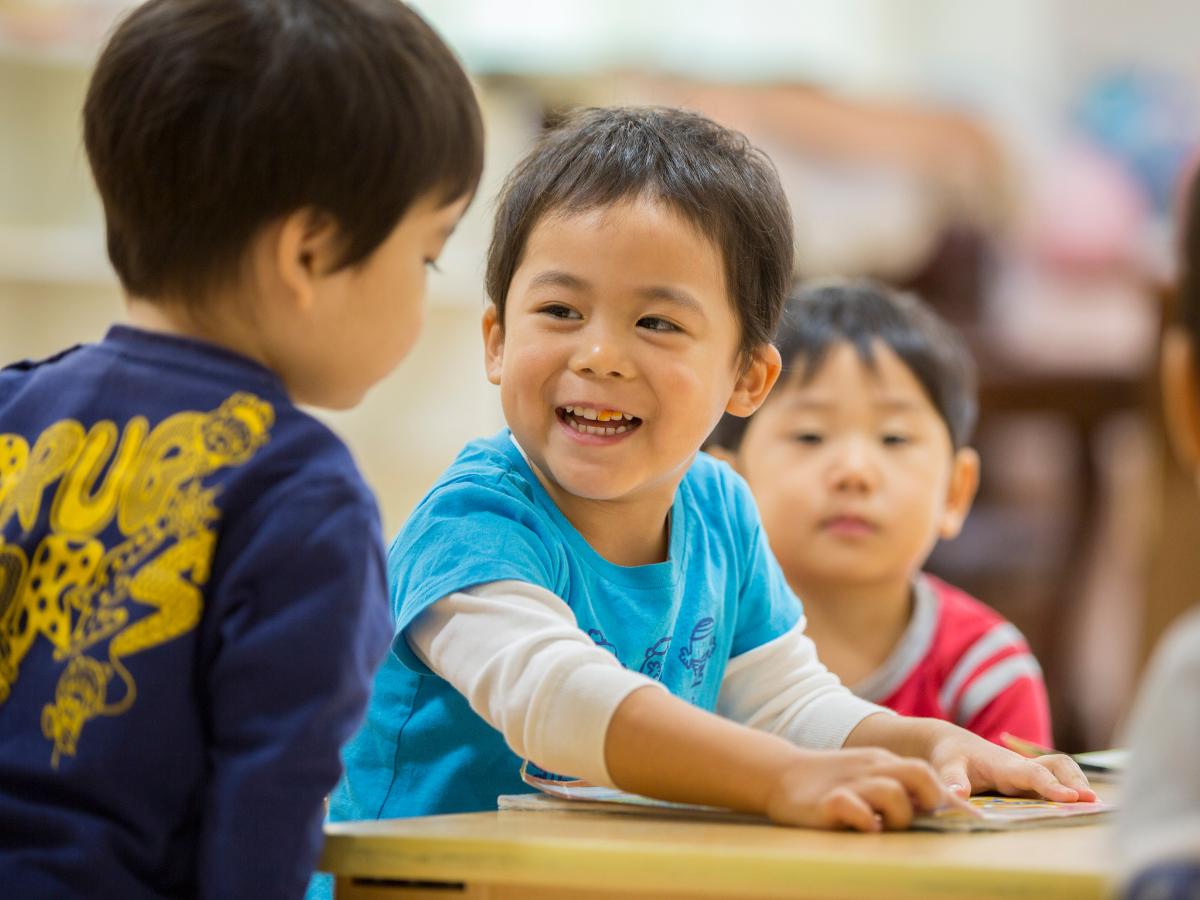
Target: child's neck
[
  {"x": 176, "y": 319},
  {"x": 856, "y": 626},
  {"x": 625, "y": 534}
]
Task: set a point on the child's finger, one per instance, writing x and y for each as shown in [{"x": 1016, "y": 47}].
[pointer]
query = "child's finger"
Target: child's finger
[
  {"x": 954, "y": 778},
  {"x": 844, "y": 808},
  {"x": 889, "y": 798},
  {"x": 920, "y": 781},
  {"x": 1067, "y": 771},
  {"x": 1038, "y": 778}
]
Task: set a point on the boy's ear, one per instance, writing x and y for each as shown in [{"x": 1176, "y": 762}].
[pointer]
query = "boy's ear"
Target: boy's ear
[
  {"x": 756, "y": 381},
  {"x": 964, "y": 482},
  {"x": 306, "y": 247},
  {"x": 493, "y": 343},
  {"x": 1181, "y": 396}
]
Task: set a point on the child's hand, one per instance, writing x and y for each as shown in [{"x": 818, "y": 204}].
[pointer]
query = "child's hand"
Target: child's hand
[
  {"x": 865, "y": 789},
  {"x": 968, "y": 764}
]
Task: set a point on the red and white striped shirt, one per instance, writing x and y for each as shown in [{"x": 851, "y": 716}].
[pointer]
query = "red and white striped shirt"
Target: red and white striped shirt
[{"x": 961, "y": 661}]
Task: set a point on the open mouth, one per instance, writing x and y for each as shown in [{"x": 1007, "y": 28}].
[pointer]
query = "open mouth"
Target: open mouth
[{"x": 601, "y": 422}]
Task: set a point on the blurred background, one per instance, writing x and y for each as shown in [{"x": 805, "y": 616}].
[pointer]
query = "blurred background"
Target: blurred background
[{"x": 1016, "y": 163}]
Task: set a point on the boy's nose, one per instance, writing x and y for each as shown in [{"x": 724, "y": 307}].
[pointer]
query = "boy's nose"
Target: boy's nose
[
  {"x": 600, "y": 356},
  {"x": 854, "y": 470}
]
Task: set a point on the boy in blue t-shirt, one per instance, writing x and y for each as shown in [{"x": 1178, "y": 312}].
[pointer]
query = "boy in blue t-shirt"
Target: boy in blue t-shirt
[
  {"x": 192, "y": 584},
  {"x": 585, "y": 590}
]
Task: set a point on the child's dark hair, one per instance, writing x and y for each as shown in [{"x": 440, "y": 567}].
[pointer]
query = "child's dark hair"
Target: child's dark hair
[
  {"x": 823, "y": 314},
  {"x": 1189, "y": 286},
  {"x": 205, "y": 120},
  {"x": 709, "y": 175}
]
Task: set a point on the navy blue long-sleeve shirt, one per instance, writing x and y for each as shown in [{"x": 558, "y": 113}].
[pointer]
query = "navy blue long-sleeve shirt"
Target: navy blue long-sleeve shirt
[{"x": 192, "y": 606}]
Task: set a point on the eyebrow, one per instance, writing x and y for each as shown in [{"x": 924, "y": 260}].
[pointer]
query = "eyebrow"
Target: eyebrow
[
  {"x": 558, "y": 278},
  {"x": 673, "y": 295},
  {"x": 561, "y": 279},
  {"x": 887, "y": 404}
]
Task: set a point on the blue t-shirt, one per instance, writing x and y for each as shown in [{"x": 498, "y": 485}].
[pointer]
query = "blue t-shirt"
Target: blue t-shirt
[
  {"x": 720, "y": 593},
  {"x": 192, "y": 604}
]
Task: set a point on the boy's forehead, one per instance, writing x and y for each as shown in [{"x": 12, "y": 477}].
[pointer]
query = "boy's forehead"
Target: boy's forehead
[
  {"x": 659, "y": 252},
  {"x": 637, "y": 212},
  {"x": 844, "y": 376}
]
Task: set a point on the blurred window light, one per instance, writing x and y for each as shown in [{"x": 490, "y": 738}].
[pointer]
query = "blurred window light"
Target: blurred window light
[{"x": 820, "y": 40}]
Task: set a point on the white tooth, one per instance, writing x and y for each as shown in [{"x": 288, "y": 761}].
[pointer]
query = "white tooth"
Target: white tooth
[
  {"x": 568, "y": 409},
  {"x": 589, "y": 413},
  {"x": 621, "y": 429},
  {"x": 593, "y": 430}
]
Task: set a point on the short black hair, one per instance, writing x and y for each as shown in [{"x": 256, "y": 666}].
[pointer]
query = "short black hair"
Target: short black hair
[
  {"x": 709, "y": 175},
  {"x": 205, "y": 120},
  {"x": 1188, "y": 301},
  {"x": 823, "y": 314}
]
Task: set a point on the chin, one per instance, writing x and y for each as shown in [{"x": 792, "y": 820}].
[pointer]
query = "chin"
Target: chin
[
  {"x": 335, "y": 401},
  {"x": 587, "y": 486}
]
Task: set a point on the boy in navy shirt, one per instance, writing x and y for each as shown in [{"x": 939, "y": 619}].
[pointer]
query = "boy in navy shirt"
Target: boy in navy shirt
[{"x": 191, "y": 579}]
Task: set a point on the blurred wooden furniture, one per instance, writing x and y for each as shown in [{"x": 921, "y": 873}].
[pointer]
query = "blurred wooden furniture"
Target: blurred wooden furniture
[{"x": 1083, "y": 402}]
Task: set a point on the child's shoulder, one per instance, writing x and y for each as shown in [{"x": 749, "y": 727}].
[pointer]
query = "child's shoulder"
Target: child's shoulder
[
  {"x": 957, "y": 606},
  {"x": 490, "y": 465},
  {"x": 192, "y": 411},
  {"x": 488, "y": 480},
  {"x": 968, "y": 628},
  {"x": 713, "y": 486}
]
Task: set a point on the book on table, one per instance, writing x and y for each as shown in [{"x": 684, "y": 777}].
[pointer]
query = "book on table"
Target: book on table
[{"x": 985, "y": 813}]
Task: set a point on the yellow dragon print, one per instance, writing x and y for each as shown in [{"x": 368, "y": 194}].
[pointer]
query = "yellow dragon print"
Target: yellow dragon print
[{"x": 90, "y": 603}]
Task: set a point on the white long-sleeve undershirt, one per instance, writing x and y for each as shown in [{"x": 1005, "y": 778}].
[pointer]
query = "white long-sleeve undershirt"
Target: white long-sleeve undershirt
[{"x": 515, "y": 651}]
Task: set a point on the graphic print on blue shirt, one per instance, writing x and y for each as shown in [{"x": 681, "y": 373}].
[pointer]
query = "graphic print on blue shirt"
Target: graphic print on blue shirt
[
  {"x": 597, "y": 637},
  {"x": 652, "y": 665},
  {"x": 699, "y": 651}
]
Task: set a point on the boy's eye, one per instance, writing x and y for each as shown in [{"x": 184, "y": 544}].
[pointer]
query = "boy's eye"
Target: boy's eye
[
  {"x": 654, "y": 323},
  {"x": 559, "y": 311},
  {"x": 895, "y": 440},
  {"x": 808, "y": 437}
]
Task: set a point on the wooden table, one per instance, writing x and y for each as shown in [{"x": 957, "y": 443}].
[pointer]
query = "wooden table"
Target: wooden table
[{"x": 520, "y": 855}]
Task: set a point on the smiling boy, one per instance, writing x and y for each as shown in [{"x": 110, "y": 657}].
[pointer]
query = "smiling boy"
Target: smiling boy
[{"x": 585, "y": 590}]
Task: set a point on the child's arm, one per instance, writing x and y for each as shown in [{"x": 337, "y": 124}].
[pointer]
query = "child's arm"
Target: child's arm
[
  {"x": 661, "y": 746},
  {"x": 296, "y": 625},
  {"x": 514, "y": 651}
]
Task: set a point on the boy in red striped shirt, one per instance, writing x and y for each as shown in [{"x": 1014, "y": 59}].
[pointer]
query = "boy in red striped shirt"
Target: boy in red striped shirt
[{"x": 859, "y": 463}]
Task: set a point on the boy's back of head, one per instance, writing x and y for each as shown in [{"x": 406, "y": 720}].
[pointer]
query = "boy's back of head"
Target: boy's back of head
[
  {"x": 861, "y": 312},
  {"x": 707, "y": 174},
  {"x": 206, "y": 120}
]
